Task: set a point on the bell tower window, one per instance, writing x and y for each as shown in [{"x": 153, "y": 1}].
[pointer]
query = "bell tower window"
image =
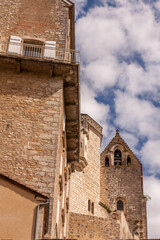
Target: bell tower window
[
  {"x": 117, "y": 157},
  {"x": 106, "y": 162},
  {"x": 120, "y": 205},
  {"x": 128, "y": 161}
]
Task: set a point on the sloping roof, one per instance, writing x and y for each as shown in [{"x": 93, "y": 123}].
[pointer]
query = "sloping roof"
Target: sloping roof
[
  {"x": 119, "y": 140},
  {"x": 18, "y": 184}
]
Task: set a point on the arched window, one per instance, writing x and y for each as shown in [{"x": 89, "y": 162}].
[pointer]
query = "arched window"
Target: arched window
[
  {"x": 128, "y": 160},
  {"x": 107, "y": 162},
  {"x": 117, "y": 157},
  {"x": 120, "y": 205}
]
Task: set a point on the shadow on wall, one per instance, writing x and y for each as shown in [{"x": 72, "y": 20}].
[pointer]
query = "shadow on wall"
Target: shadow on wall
[{"x": 25, "y": 84}]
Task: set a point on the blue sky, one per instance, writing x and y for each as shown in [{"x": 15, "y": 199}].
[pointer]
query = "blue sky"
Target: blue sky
[{"x": 120, "y": 80}]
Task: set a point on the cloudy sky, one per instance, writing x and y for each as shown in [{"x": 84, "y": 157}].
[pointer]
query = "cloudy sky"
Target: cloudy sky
[{"x": 120, "y": 80}]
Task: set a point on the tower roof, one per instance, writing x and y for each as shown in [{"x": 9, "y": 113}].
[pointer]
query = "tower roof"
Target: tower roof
[{"x": 118, "y": 140}]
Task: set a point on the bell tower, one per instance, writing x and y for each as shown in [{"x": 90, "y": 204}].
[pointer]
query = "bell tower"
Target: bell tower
[{"x": 122, "y": 184}]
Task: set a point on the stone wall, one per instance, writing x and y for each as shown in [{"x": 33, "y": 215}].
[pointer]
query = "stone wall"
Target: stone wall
[
  {"x": 123, "y": 182},
  {"x": 29, "y": 127},
  {"x": 85, "y": 182},
  {"x": 45, "y": 20},
  {"x": 38, "y": 130},
  {"x": 83, "y": 227}
]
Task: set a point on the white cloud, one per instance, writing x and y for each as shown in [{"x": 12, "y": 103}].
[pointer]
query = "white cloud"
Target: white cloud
[
  {"x": 79, "y": 5},
  {"x": 131, "y": 140},
  {"x": 140, "y": 81},
  {"x": 120, "y": 48},
  {"x": 97, "y": 35},
  {"x": 152, "y": 188},
  {"x": 150, "y": 155},
  {"x": 98, "y": 111},
  {"x": 101, "y": 74},
  {"x": 137, "y": 116}
]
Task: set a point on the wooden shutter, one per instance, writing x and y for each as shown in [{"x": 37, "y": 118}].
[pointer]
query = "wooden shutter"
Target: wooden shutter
[
  {"x": 50, "y": 49},
  {"x": 15, "y": 45}
]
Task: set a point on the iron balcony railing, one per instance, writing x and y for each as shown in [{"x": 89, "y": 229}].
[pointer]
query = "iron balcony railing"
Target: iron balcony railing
[{"x": 39, "y": 51}]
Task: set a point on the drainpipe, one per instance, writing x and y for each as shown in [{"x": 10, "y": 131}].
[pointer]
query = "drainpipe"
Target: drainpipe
[{"x": 37, "y": 212}]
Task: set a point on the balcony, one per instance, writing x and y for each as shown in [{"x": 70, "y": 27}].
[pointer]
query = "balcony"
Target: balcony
[{"x": 27, "y": 50}]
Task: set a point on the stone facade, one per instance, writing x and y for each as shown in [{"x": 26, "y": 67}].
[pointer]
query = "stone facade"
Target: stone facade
[
  {"x": 99, "y": 183},
  {"x": 39, "y": 101},
  {"x": 92, "y": 227},
  {"x": 124, "y": 182},
  {"x": 85, "y": 181},
  {"x": 38, "y": 20}
]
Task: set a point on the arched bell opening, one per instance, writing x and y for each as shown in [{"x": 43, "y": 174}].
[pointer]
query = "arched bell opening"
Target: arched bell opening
[
  {"x": 117, "y": 157},
  {"x": 128, "y": 161}
]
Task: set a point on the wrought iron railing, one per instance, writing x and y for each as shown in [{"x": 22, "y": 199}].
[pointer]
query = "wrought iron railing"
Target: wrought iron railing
[{"x": 40, "y": 52}]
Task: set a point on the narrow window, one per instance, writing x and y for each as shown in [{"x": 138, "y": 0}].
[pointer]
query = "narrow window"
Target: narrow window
[
  {"x": 117, "y": 157},
  {"x": 89, "y": 205},
  {"x": 92, "y": 208},
  {"x": 128, "y": 160},
  {"x": 120, "y": 205},
  {"x": 107, "y": 162}
]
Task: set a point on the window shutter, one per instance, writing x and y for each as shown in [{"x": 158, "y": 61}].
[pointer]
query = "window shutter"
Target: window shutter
[
  {"x": 69, "y": 23},
  {"x": 15, "y": 45},
  {"x": 50, "y": 49}
]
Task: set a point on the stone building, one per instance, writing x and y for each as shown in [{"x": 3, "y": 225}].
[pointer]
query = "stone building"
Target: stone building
[
  {"x": 39, "y": 115},
  {"x": 54, "y": 183},
  {"x": 106, "y": 195}
]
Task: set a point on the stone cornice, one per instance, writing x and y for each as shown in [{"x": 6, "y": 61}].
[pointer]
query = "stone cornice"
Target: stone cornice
[{"x": 85, "y": 118}]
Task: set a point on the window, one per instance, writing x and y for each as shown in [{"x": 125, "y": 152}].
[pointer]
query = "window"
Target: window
[
  {"x": 117, "y": 157},
  {"x": 35, "y": 48},
  {"x": 89, "y": 205},
  {"x": 92, "y": 210},
  {"x": 32, "y": 48},
  {"x": 120, "y": 205},
  {"x": 128, "y": 160},
  {"x": 107, "y": 162},
  {"x": 60, "y": 184}
]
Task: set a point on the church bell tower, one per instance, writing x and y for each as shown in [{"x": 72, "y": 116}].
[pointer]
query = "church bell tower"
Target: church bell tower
[{"x": 122, "y": 184}]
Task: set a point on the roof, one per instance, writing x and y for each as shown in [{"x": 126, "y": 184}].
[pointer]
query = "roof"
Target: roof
[
  {"x": 20, "y": 185},
  {"x": 118, "y": 140}
]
